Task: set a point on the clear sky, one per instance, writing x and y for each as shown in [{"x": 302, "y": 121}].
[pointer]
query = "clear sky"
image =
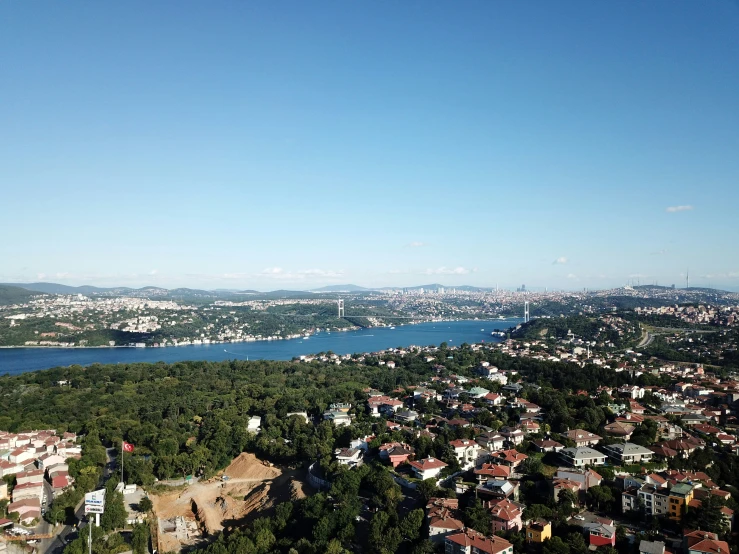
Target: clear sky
[{"x": 297, "y": 144}]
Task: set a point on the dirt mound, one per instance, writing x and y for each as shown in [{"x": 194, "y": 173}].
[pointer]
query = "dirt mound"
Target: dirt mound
[
  {"x": 296, "y": 490},
  {"x": 248, "y": 466}
]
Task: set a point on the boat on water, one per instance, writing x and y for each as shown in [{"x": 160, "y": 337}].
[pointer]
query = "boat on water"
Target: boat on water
[{"x": 392, "y": 327}]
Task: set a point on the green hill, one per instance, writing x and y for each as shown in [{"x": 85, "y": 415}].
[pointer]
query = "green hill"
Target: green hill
[{"x": 14, "y": 295}]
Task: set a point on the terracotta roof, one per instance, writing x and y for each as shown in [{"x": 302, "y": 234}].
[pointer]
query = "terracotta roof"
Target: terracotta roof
[
  {"x": 427, "y": 463},
  {"x": 483, "y": 544},
  {"x": 711, "y": 546},
  {"x": 505, "y": 510}
]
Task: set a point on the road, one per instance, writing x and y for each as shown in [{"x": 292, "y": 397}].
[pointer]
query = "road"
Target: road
[
  {"x": 67, "y": 533},
  {"x": 646, "y": 340}
]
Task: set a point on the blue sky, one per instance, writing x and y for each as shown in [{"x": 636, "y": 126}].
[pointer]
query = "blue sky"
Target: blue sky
[{"x": 296, "y": 144}]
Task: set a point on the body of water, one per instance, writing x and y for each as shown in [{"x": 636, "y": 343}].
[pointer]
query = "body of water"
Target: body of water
[{"x": 454, "y": 333}]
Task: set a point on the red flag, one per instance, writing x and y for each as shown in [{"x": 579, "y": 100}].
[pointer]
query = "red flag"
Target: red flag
[{"x": 127, "y": 447}]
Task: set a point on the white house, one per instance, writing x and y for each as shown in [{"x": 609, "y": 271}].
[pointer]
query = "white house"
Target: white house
[
  {"x": 582, "y": 456},
  {"x": 427, "y": 468},
  {"x": 351, "y": 457},
  {"x": 466, "y": 451}
]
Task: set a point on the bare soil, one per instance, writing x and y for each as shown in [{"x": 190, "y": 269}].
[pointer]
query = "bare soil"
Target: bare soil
[{"x": 252, "y": 488}]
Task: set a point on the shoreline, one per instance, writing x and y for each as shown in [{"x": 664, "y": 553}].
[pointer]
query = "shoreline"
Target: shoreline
[{"x": 213, "y": 343}]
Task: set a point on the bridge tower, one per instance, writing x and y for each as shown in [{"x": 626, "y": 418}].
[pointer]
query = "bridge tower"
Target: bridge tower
[
  {"x": 526, "y": 312},
  {"x": 341, "y": 307}
]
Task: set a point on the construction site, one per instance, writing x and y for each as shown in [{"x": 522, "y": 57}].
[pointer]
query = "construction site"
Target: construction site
[{"x": 190, "y": 514}]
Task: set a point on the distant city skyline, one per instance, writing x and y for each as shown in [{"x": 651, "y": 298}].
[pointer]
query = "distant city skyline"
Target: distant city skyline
[{"x": 566, "y": 145}]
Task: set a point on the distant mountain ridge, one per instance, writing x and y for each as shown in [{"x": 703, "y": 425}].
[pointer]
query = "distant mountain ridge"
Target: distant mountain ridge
[
  {"x": 342, "y": 288},
  {"x": 56, "y": 288}
]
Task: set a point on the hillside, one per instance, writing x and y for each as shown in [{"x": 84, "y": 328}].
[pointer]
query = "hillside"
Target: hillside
[{"x": 14, "y": 295}]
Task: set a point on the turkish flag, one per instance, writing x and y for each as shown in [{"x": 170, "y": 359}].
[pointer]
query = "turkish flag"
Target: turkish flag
[{"x": 127, "y": 447}]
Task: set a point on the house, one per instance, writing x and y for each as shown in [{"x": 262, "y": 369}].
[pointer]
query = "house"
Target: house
[
  {"x": 628, "y": 453},
  {"x": 600, "y": 534},
  {"x": 339, "y": 418},
  {"x": 529, "y": 426},
  {"x": 492, "y": 471},
  {"x": 497, "y": 489},
  {"x": 406, "y": 416},
  {"x": 559, "y": 485},
  {"x": 35, "y": 476},
  {"x": 351, "y": 457},
  {"x": 396, "y": 453},
  {"x": 466, "y": 451},
  {"x": 654, "y": 499},
  {"x": 620, "y": 430},
  {"x": 538, "y": 531},
  {"x": 582, "y": 456},
  {"x": 478, "y": 392},
  {"x": 254, "y": 425},
  {"x": 651, "y": 547},
  {"x": 302, "y": 415},
  {"x": 513, "y": 388},
  {"x": 46, "y": 460},
  {"x": 704, "y": 542},
  {"x": 28, "y": 490},
  {"x": 679, "y": 497},
  {"x": 60, "y": 482},
  {"x": 9, "y": 468},
  {"x": 585, "y": 477},
  {"x": 630, "y": 499},
  {"x": 471, "y": 542},
  {"x": 442, "y": 515},
  {"x": 491, "y": 441},
  {"x": 512, "y": 458},
  {"x": 494, "y": 399},
  {"x": 513, "y": 436},
  {"x": 427, "y": 468},
  {"x": 21, "y": 456},
  {"x": 547, "y": 445},
  {"x": 582, "y": 438},
  {"x": 28, "y": 509},
  {"x": 506, "y": 516}
]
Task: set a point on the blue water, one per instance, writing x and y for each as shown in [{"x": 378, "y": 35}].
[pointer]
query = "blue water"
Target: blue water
[{"x": 454, "y": 333}]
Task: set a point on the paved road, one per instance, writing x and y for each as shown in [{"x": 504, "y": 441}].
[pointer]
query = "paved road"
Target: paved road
[
  {"x": 646, "y": 340},
  {"x": 67, "y": 533}
]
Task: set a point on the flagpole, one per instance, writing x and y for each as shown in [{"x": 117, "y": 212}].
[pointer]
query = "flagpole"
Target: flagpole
[{"x": 122, "y": 451}]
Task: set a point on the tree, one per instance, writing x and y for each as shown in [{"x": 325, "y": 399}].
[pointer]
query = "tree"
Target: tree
[
  {"x": 533, "y": 512},
  {"x": 600, "y": 496},
  {"x": 555, "y": 545},
  {"x": 384, "y": 538},
  {"x": 708, "y": 517},
  {"x": 115, "y": 514},
  {"x": 566, "y": 502},
  {"x": 532, "y": 465},
  {"x": 140, "y": 539},
  {"x": 427, "y": 489},
  {"x": 478, "y": 517},
  {"x": 410, "y": 525},
  {"x": 146, "y": 505},
  {"x": 576, "y": 543}
]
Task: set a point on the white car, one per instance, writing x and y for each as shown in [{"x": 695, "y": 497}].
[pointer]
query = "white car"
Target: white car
[{"x": 580, "y": 518}]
